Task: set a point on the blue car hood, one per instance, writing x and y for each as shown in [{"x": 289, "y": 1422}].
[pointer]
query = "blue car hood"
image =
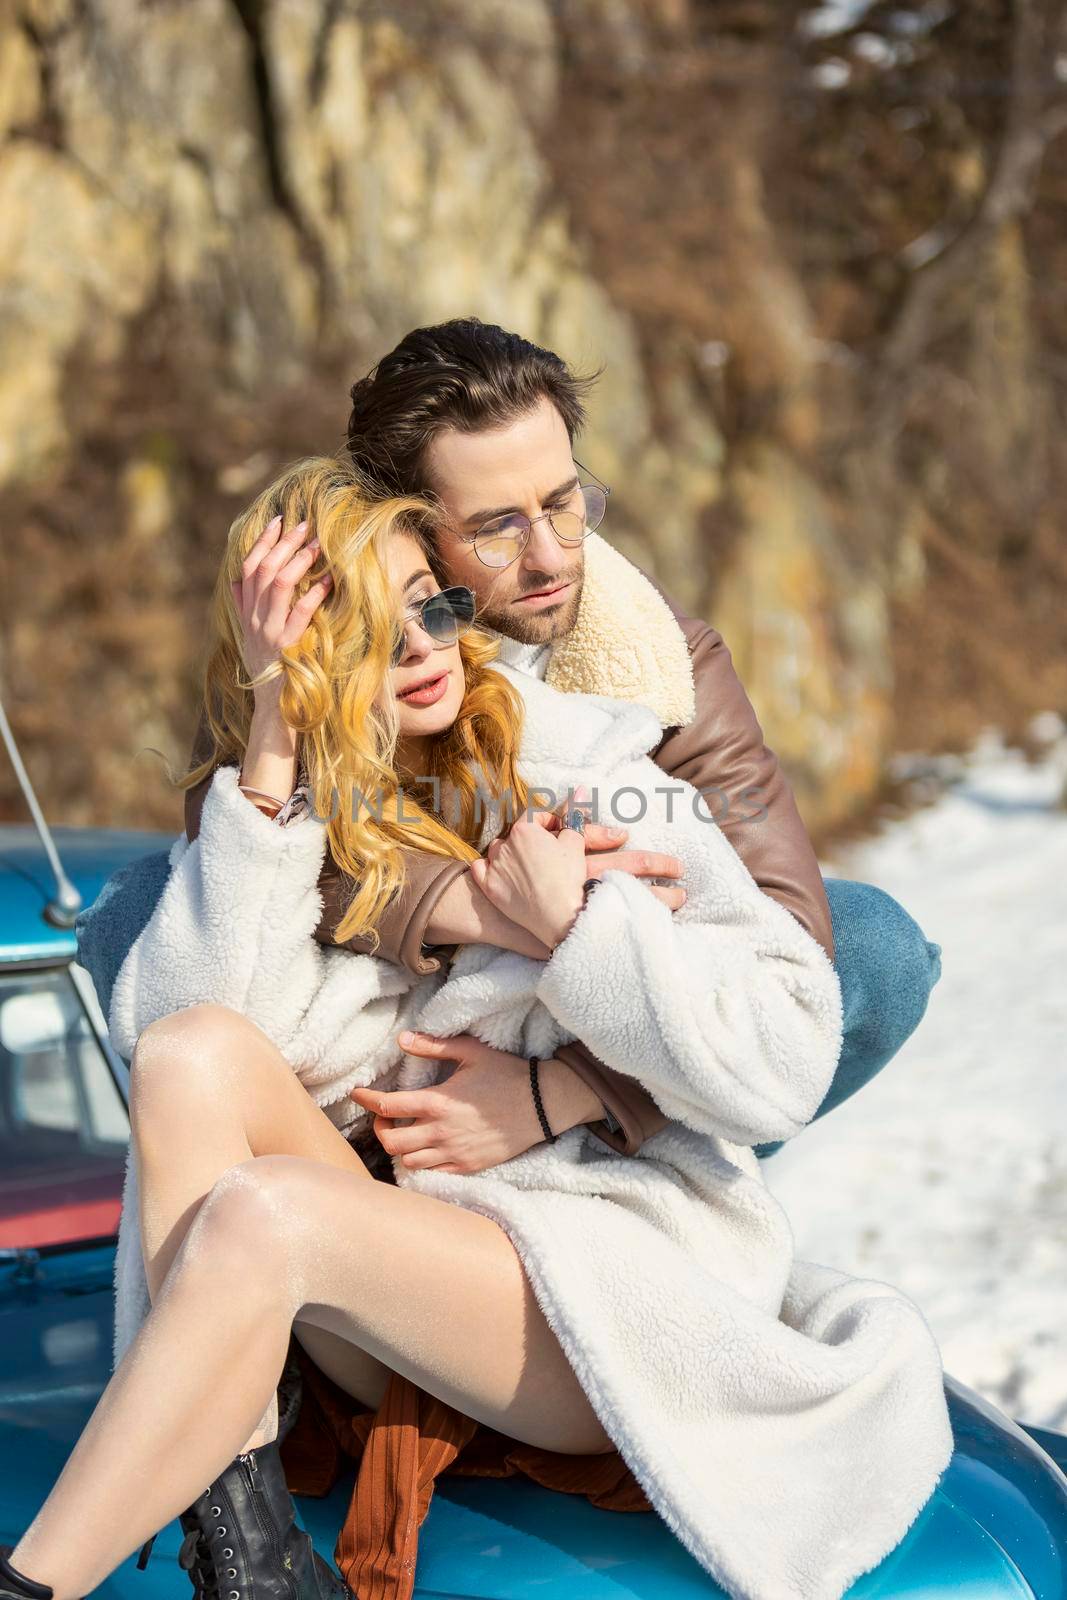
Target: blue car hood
[{"x": 995, "y": 1527}]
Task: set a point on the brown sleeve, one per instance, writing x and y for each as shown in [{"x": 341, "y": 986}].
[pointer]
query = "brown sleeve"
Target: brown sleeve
[
  {"x": 402, "y": 925},
  {"x": 638, "y": 1114},
  {"x": 722, "y": 753}
]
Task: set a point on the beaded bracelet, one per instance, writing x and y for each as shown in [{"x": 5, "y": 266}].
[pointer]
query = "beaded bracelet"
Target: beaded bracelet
[{"x": 535, "y": 1062}]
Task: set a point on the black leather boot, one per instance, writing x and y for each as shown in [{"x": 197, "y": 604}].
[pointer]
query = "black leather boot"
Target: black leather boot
[
  {"x": 14, "y": 1585},
  {"x": 270, "y": 1558},
  {"x": 242, "y": 1542}
]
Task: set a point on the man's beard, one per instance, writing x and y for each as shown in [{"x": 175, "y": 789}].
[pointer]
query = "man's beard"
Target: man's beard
[{"x": 535, "y": 627}]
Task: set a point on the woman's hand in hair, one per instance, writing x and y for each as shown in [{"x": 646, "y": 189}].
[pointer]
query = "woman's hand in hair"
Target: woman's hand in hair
[
  {"x": 263, "y": 594},
  {"x": 482, "y": 1114},
  {"x": 269, "y": 624}
]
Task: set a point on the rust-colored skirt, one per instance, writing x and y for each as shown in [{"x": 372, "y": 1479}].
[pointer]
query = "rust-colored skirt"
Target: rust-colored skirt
[{"x": 400, "y": 1450}]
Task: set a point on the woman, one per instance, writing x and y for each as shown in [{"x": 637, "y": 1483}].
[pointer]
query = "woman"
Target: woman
[{"x": 745, "y": 1054}]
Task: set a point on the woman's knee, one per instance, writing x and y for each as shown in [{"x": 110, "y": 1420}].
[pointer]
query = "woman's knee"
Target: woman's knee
[
  {"x": 176, "y": 1053},
  {"x": 246, "y": 1227}
]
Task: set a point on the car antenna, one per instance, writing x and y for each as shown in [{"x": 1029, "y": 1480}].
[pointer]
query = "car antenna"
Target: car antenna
[{"x": 63, "y": 909}]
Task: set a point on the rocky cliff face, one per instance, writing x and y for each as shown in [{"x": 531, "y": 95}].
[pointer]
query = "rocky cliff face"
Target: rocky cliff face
[{"x": 215, "y": 214}]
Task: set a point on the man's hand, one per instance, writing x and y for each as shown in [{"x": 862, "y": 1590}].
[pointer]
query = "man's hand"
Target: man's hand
[{"x": 480, "y": 1116}]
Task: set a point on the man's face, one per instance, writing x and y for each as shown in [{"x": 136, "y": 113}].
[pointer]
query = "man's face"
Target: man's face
[{"x": 526, "y": 466}]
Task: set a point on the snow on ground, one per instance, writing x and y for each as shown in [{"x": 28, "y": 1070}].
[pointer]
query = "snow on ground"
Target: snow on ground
[{"x": 946, "y": 1175}]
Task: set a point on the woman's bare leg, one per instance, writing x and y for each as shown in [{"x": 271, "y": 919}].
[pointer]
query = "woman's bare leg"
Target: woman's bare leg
[
  {"x": 428, "y": 1289},
  {"x": 208, "y": 1090}
]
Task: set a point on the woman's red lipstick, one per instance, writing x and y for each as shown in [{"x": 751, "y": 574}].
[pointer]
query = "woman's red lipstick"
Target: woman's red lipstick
[{"x": 426, "y": 693}]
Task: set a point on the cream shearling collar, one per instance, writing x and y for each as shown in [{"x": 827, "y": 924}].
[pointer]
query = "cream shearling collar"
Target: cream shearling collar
[{"x": 626, "y": 642}]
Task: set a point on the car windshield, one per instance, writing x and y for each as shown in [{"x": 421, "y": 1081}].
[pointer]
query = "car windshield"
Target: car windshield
[{"x": 63, "y": 1123}]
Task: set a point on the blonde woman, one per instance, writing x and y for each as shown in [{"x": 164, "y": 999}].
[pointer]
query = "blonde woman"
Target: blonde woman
[
  {"x": 223, "y": 1132},
  {"x": 788, "y": 1422}
]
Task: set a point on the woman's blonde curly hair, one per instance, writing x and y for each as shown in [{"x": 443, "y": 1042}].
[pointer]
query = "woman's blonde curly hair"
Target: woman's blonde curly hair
[{"x": 331, "y": 691}]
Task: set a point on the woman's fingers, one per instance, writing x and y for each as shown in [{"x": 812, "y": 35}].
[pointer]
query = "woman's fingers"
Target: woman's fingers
[
  {"x": 292, "y": 570},
  {"x": 270, "y": 551},
  {"x": 272, "y": 583},
  {"x": 287, "y": 625},
  {"x": 572, "y": 843},
  {"x": 263, "y": 596},
  {"x": 551, "y": 820},
  {"x": 305, "y": 609},
  {"x": 266, "y": 541},
  {"x": 276, "y": 552},
  {"x": 599, "y": 836},
  {"x": 278, "y": 595}
]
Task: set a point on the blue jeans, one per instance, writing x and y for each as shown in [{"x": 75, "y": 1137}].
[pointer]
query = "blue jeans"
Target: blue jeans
[{"x": 887, "y": 968}]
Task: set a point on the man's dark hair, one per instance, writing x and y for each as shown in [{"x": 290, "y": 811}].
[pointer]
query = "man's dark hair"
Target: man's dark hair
[{"x": 465, "y": 374}]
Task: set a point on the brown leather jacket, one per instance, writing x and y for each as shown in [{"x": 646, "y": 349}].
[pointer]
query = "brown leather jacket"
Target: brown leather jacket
[{"x": 723, "y": 754}]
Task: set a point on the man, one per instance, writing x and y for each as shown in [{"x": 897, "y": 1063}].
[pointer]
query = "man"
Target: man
[{"x": 483, "y": 421}]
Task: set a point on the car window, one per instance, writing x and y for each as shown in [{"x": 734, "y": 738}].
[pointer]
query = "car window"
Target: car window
[{"x": 63, "y": 1123}]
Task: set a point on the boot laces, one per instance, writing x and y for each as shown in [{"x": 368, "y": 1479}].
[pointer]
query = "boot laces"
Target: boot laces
[{"x": 195, "y": 1557}]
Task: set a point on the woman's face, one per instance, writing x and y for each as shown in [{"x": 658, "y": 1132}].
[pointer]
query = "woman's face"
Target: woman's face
[{"x": 428, "y": 682}]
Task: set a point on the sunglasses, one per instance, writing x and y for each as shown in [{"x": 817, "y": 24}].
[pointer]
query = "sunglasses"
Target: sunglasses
[{"x": 444, "y": 616}]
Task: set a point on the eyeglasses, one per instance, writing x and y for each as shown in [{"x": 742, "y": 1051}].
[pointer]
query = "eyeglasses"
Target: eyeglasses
[
  {"x": 444, "y": 616},
  {"x": 502, "y": 540}
]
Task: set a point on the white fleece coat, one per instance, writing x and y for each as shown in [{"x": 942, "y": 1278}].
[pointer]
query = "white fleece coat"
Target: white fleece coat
[{"x": 786, "y": 1420}]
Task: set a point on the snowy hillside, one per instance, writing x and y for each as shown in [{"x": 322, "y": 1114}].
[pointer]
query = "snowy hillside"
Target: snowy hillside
[{"x": 947, "y": 1174}]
